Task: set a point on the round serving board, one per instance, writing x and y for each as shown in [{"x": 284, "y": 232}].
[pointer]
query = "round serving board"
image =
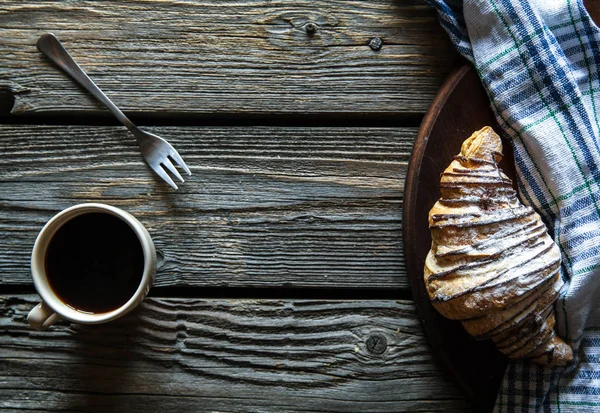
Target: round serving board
[{"x": 460, "y": 108}]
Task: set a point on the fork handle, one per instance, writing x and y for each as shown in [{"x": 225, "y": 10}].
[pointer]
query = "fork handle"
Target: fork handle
[{"x": 49, "y": 45}]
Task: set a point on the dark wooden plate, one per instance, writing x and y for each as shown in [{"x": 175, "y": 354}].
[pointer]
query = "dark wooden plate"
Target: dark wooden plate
[{"x": 460, "y": 108}]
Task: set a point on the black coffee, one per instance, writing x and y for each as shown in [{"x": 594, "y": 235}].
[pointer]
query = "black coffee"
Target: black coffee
[{"x": 94, "y": 262}]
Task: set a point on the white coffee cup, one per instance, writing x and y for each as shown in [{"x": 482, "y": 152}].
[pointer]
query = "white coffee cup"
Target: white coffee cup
[{"x": 52, "y": 308}]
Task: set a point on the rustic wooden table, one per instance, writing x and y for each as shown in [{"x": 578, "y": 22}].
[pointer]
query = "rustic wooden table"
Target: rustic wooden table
[{"x": 281, "y": 284}]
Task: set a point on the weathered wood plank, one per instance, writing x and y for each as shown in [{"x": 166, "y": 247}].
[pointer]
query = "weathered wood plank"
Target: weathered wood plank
[
  {"x": 216, "y": 57},
  {"x": 228, "y": 355},
  {"x": 265, "y": 206}
]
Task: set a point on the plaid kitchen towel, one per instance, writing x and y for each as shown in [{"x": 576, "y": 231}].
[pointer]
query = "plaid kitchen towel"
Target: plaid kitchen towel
[{"x": 539, "y": 61}]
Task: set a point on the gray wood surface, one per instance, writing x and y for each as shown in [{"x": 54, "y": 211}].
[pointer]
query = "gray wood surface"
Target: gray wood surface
[
  {"x": 220, "y": 57},
  {"x": 265, "y": 206},
  {"x": 304, "y": 211},
  {"x": 225, "y": 355}
]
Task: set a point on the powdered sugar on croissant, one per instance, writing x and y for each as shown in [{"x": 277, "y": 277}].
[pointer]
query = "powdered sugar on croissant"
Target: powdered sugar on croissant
[{"x": 492, "y": 264}]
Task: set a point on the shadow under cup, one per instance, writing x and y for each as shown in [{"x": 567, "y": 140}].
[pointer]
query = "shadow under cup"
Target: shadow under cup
[{"x": 91, "y": 263}]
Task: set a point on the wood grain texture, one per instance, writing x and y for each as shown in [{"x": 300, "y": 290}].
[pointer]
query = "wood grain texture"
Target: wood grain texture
[
  {"x": 228, "y": 355},
  {"x": 265, "y": 206},
  {"x": 218, "y": 57}
]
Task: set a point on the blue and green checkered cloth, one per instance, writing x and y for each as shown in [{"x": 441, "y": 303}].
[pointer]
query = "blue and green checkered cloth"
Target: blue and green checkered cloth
[{"x": 539, "y": 62}]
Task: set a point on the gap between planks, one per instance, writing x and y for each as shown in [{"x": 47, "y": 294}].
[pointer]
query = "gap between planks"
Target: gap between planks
[{"x": 151, "y": 118}]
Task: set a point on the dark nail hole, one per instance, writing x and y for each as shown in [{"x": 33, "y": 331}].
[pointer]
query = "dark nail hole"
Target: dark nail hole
[
  {"x": 310, "y": 28},
  {"x": 376, "y": 43}
]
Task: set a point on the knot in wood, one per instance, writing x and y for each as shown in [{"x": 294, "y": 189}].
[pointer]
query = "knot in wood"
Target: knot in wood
[
  {"x": 376, "y": 344},
  {"x": 376, "y": 43}
]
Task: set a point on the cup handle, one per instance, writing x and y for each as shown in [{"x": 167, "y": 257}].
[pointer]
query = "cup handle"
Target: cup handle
[{"x": 42, "y": 316}]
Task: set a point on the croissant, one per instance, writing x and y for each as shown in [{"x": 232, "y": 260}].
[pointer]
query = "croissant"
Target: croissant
[{"x": 492, "y": 264}]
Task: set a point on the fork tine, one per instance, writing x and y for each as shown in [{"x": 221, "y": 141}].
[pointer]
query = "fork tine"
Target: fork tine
[
  {"x": 167, "y": 163},
  {"x": 179, "y": 161},
  {"x": 163, "y": 174}
]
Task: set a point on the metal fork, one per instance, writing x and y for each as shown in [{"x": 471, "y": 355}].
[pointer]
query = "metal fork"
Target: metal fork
[{"x": 155, "y": 150}]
